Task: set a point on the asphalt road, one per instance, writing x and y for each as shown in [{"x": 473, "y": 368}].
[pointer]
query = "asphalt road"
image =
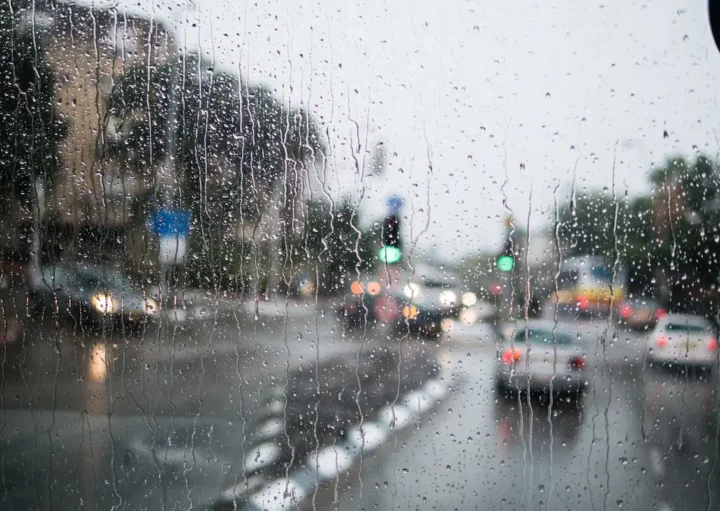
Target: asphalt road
[{"x": 213, "y": 412}]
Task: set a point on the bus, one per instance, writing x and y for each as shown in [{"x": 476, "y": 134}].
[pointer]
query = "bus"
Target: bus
[{"x": 589, "y": 285}]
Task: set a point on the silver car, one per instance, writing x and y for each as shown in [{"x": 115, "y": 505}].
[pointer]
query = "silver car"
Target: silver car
[
  {"x": 551, "y": 359},
  {"x": 683, "y": 339}
]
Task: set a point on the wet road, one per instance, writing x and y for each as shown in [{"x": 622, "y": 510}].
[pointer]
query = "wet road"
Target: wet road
[
  {"x": 215, "y": 411},
  {"x": 642, "y": 438}
]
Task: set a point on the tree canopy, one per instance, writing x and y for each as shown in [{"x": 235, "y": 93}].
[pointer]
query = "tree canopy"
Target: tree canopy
[{"x": 29, "y": 128}]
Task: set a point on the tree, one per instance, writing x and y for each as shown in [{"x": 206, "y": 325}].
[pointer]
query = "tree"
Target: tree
[
  {"x": 332, "y": 244},
  {"x": 232, "y": 147},
  {"x": 29, "y": 128},
  {"x": 234, "y": 141}
]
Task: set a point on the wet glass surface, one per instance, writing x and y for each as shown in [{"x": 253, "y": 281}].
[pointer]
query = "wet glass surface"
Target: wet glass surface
[{"x": 383, "y": 255}]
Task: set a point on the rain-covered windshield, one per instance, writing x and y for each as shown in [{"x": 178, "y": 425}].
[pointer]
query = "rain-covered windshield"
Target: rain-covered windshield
[{"x": 380, "y": 255}]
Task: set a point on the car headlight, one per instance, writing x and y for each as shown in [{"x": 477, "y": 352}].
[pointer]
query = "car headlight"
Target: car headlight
[
  {"x": 447, "y": 298},
  {"x": 104, "y": 303},
  {"x": 468, "y": 299},
  {"x": 151, "y": 306},
  {"x": 412, "y": 290}
]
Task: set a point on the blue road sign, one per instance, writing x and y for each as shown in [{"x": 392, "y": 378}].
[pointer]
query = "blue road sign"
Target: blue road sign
[
  {"x": 168, "y": 222},
  {"x": 394, "y": 203}
]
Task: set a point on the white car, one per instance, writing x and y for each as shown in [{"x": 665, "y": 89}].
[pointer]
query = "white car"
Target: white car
[
  {"x": 556, "y": 357},
  {"x": 683, "y": 339}
]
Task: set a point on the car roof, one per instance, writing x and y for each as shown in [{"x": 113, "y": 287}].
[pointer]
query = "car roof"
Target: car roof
[
  {"x": 642, "y": 300},
  {"x": 689, "y": 319},
  {"x": 541, "y": 324}
]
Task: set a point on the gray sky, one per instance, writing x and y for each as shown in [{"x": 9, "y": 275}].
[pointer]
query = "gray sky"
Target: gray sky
[{"x": 480, "y": 93}]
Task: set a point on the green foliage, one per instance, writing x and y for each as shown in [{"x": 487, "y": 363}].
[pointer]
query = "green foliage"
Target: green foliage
[
  {"x": 675, "y": 231},
  {"x": 29, "y": 128},
  {"x": 234, "y": 141},
  {"x": 335, "y": 244}
]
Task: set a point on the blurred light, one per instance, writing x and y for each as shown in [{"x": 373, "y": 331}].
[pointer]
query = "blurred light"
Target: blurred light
[
  {"x": 447, "y": 324},
  {"x": 505, "y": 263},
  {"x": 373, "y": 288},
  {"x": 151, "y": 306},
  {"x": 625, "y": 311},
  {"x": 468, "y": 317},
  {"x": 577, "y": 363},
  {"x": 410, "y": 312},
  {"x": 307, "y": 288},
  {"x": 712, "y": 344},
  {"x": 385, "y": 309},
  {"x": 447, "y": 298},
  {"x": 496, "y": 289},
  {"x": 660, "y": 313},
  {"x": 468, "y": 299},
  {"x": 511, "y": 355},
  {"x": 98, "y": 365},
  {"x": 389, "y": 254},
  {"x": 662, "y": 341},
  {"x": 583, "y": 302},
  {"x": 103, "y": 303},
  {"x": 356, "y": 288},
  {"x": 412, "y": 290}
]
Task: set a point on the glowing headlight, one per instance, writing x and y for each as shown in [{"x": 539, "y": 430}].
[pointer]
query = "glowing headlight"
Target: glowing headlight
[
  {"x": 447, "y": 298},
  {"x": 468, "y": 299},
  {"x": 412, "y": 290},
  {"x": 151, "y": 306},
  {"x": 104, "y": 303}
]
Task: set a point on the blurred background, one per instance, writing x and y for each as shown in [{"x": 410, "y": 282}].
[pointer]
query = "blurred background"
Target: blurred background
[{"x": 319, "y": 256}]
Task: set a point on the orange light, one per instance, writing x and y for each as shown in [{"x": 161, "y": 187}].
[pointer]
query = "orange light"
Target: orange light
[
  {"x": 373, "y": 288},
  {"x": 410, "y": 312},
  {"x": 662, "y": 341},
  {"x": 356, "y": 288},
  {"x": 511, "y": 355},
  {"x": 712, "y": 344},
  {"x": 583, "y": 302}
]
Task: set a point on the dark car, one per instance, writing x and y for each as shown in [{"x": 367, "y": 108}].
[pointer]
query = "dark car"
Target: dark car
[
  {"x": 640, "y": 313},
  {"x": 425, "y": 302},
  {"x": 90, "y": 293}
]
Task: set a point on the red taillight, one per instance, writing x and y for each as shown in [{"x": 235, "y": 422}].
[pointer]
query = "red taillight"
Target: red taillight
[
  {"x": 712, "y": 344},
  {"x": 625, "y": 311},
  {"x": 583, "y": 302},
  {"x": 660, "y": 313},
  {"x": 511, "y": 355},
  {"x": 577, "y": 363},
  {"x": 662, "y": 341}
]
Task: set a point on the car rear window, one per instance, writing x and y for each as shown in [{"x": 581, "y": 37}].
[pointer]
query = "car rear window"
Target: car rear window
[
  {"x": 544, "y": 337},
  {"x": 680, "y": 327}
]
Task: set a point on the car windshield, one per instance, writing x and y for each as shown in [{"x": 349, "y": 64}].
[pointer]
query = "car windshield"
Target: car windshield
[{"x": 359, "y": 255}]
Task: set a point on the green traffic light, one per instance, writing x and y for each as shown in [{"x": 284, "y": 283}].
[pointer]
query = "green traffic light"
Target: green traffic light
[
  {"x": 389, "y": 255},
  {"x": 505, "y": 263}
]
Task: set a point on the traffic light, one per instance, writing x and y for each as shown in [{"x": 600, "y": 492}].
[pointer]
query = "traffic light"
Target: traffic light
[
  {"x": 391, "y": 231},
  {"x": 390, "y": 252},
  {"x": 506, "y": 262}
]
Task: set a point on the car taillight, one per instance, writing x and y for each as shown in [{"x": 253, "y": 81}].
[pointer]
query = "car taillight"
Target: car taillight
[
  {"x": 583, "y": 302},
  {"x": 625, "y": 311},
  {"x": 660, "y": 313},
  {"x": 511, "y": 355},
  {"x": 662, "y": 341},
  {"x": 577, "y": 363},
  {"x": 712, "y": 344}
]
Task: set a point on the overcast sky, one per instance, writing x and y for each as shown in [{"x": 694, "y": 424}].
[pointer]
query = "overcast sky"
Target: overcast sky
[{"x": 465, "y": 95}]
